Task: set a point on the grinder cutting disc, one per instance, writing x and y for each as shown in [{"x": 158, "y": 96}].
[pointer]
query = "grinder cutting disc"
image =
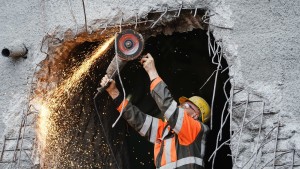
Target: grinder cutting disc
[{"x": 129, "y": 44}]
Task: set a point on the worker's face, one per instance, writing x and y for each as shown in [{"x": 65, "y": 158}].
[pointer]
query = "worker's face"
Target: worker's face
[{"x": 191, "y": 109}]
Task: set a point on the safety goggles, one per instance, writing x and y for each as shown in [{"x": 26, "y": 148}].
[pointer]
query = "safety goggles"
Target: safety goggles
[{"x": 186, "y": 106}]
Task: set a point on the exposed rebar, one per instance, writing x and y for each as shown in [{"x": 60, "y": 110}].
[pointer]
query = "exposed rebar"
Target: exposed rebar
[
  {"x": 239, "y": 139},
  {"x": 214, "y": 93},
  {"x": 159, "y": 18},
  {"x": 85, "y": 21},
  {"x": 275, "y": 148},
  {"x": 259, "y": 131}
]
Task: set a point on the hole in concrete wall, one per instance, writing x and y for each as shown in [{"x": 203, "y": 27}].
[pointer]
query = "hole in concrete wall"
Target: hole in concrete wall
[
  {"x": 182, "y": 61},
  {"x": 5, "y": 52}
]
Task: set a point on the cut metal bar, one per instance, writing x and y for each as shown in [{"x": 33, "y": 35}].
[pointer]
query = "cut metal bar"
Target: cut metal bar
[
  {"x": 293, "y": 159},
  {"x": 238, "y": 91},
  {"x": 136, "y": 20},
  {"x": 222, "y": 117},
  {"x": 259, "y": 131},
  {"x": 179, "y": 11},
  {"x": 120, "y": 25},
  {"x": 214, "y": 93},
  {"x": 280, "y": 165},
  {"x": 104, "y": 29},
  {"x": 230, "y": 112},
  {"x": 159, "y": 18},
  {"x": 225, "y": 69},
  {"x": 124, "y": 24},
  {"x": 172, "y": 10},
  {"x": 275, "y": 158},
  {"x": 208, "y": 41},
  {"x": 236, "y": 133},
  {"x": 28, "y": 157},
  {"x": 238, "y": 146},
  {"x": 256, "y": 149},
  {"x": 18, "y": 138},
  {"x": 84, "y": 15},
  {"x": 18, "y": 149},
  {"x": 3, "y": 148},
  {"x": 195, "y": 12},
  {"x": 213, "y": 154},
  {"x": 6, "y": 161},
  {"x": 219, "y": 136},
  {"x": 207, "y": 79},
  {"x": 22, "y": 140},
  {"x": 275, "y": 148},
  {"x": 224, "y": 86},
  {"x": 215, "y": 53}
]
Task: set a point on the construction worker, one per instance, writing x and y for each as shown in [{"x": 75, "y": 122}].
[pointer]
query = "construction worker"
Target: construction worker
[{"x": 179, "y": 140}]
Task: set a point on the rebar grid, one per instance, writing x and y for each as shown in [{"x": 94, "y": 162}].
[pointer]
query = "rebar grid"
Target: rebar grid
[{"x": 17, "y": 151}]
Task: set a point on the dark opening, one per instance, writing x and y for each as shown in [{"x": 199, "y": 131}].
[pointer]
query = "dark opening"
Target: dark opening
[
  {"x": 5, "y": 52},
  {"x": 183, "y": 62}
]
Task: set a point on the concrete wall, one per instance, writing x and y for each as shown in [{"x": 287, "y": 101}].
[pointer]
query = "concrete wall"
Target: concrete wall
[
  {"x": 260, "y": 39},
  {"x": 263, "y": 49}
]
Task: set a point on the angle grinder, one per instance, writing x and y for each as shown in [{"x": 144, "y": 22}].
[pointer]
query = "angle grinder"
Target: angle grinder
[{"x": 129, "y": 45}]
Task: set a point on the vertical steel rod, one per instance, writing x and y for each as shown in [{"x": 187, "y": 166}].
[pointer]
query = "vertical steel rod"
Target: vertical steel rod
[
  {"x": 241, "y": 132},
  {"x": 231, "y": 106},
  {"x": 195, "y": 12},
  {"x": 230, "y": 112},
  {"x": 3, "y": 148},
  {"x": 22, "y": 140},
  {"x": 293, "y": 159},
  {"x": 214, "y": 92},
  {"x": 18, "y": 138},
  {"x": 159, "y": 18},
  {"x": 259, "y": 131},
  {"x": 84, "y": 15},
  {"x": 275, "y": 148}
]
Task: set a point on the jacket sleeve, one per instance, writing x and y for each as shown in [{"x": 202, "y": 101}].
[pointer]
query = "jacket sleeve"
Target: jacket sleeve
[
  {"x": 146, "y": 125},
  {"x": 186, "y": 127}
]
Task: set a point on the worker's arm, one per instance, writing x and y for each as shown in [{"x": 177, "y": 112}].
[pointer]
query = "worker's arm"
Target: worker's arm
[
  {"x": 146, "y": 125},
  {"x": 185, "y": 126}
]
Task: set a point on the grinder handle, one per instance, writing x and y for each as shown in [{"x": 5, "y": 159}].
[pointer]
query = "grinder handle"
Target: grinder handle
[{"x": 111, "y": 71}]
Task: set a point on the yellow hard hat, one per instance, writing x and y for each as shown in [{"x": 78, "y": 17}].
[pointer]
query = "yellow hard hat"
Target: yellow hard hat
[{"x": 201, "y": 104}]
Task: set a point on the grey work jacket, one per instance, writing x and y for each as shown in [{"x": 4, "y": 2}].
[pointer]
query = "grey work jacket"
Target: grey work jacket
[{"x": 179, "y": 142}]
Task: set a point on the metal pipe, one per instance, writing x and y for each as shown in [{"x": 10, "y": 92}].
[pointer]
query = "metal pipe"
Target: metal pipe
[{"x": 15, "y": 51}]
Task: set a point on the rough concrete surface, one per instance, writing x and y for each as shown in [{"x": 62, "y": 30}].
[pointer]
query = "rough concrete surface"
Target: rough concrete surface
[{"x": 261, "y": 42}]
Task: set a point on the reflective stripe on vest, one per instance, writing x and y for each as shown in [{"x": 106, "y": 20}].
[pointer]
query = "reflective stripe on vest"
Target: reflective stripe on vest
[
  {"x": 171, "y": 109},
  {"x": 154, "y": 129},
  {"x": 168, "y": 144},
  {"x": 146, "y": 125},
  {"x": 182, "y": 162},
  {"x": 179, "y": 121},
  {"x": 203, "y": 141}
]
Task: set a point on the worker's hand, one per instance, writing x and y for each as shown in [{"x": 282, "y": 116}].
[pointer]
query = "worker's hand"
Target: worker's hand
[
  {"x": 112, "y": 90},
  {"x": 149, "y": 66}
]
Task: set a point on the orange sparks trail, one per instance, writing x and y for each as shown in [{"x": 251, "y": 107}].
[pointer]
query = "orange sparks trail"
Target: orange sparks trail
[{"x": 57, "y": 96}]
